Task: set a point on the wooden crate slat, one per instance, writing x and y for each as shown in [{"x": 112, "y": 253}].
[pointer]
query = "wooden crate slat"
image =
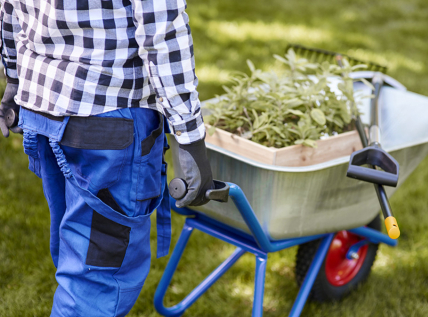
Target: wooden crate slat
[
  {"x": 241, "y": 146},
  {"x": 328, "y": 149},
  {"x": 296, "y": 155}
]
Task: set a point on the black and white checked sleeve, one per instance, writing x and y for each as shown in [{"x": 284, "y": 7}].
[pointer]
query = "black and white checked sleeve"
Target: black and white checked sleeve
[
  {"x": 166, "y": 47},
  {"x": 9, "y": 30}
]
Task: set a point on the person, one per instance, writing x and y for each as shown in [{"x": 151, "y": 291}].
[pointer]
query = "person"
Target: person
[{"x": 96, "y": 85}]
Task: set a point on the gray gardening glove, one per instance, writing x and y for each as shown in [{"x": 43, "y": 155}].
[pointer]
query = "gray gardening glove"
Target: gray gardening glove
[
  {"x": 197, "y": 173},
  {"x": 9, "y": 110}
]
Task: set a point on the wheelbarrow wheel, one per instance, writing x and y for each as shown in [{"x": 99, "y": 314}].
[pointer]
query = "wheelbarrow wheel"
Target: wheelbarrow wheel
[{"x": 338, "y": 275}]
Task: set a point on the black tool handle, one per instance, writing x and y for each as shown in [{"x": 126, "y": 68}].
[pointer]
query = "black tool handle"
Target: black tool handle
[
  {"x": 361, "y": 131},
  {"x": 11, "y": 118},
  {"x": 372, "y": 175},
  {"x": 178, "y": 189},
  {"x": 359, "y": 172},
  {"x": 374, "y": 156}
]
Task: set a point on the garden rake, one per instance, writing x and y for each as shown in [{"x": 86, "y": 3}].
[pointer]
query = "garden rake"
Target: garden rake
[{"x": 318, "y": 55}]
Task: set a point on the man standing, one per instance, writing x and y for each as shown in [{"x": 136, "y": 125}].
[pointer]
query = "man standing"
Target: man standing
[{"x": 92, "y": 81}]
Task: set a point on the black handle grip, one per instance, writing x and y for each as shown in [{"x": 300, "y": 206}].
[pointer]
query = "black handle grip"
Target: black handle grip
[
  {"x": 11, "y": 118},
  {"x": 178, "y": 189},
  {"x": 220, "y": 193},
  {"x": 374, "y": 156},
  {"x": 372, "y": 176}
]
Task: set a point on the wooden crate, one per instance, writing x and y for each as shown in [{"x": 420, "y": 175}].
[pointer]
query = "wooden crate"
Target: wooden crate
[{"x": 296, "y": 155}]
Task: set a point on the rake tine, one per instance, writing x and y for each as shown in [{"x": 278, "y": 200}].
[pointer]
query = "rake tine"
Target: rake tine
[{"x": 318, "y": 55}]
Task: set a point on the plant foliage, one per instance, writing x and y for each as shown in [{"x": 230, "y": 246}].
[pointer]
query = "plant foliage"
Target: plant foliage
[{"x": 294, "y": 105}]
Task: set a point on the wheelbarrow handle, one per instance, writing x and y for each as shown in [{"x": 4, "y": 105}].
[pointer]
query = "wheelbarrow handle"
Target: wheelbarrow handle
[
  {"x": 11, "y": 118},
  {"x": 220, "y": 193}
]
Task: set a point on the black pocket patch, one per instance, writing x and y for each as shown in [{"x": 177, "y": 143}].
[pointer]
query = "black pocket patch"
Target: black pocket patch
[
  {"x": 98, "y": 133},
  {"x": 108, "y": 242}
]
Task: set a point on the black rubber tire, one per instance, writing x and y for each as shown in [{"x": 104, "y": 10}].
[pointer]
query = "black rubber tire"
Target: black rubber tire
[{"x": 322, "y": 290}]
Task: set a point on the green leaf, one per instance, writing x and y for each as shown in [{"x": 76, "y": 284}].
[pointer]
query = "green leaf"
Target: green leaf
[
  {"x": 338, "y": 122},
  {"x": 367, "y": 83},
  {"x": 295, "y": 112},
  {"x": 251, "y": 66},
  {"x": 325, "y": 66},
  {"x": 294, "y": 103},
  {"x": 318, "y": 116},
  {"x": 277, "y": 130},
  {"x": 211, "y": 130},
  {"x": 310, "y": 143},
  {"x": 294, "y": 131},
  {"x": 291, "y": 55},
  {"x": 345, "y": 62},
  {"x": 360, "y": 66},
  {"x": 281, "y": 59}
]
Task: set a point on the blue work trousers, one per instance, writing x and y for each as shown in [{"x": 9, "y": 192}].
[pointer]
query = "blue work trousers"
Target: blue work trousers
[{"x": 103, "y": 176}]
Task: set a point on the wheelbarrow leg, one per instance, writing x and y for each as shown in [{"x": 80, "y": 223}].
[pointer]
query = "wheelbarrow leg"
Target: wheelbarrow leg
[
  {"x": 259, "y": 286},
  {"x": 169, "y": 272},
  {"x": 306, "y": 287},
  {"x": 180, "y": 308}
]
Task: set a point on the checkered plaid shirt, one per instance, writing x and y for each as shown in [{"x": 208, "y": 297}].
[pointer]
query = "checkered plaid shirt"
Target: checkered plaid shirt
[{"x": 86, "y": 57}]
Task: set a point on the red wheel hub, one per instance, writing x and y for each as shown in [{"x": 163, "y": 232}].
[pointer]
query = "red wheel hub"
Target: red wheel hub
[{"x": 338, "y": 268}]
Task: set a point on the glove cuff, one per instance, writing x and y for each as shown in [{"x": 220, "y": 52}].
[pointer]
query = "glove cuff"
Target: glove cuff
[
  {"x": 194, "y": 147},
  {"x": 11, "y": 80}
]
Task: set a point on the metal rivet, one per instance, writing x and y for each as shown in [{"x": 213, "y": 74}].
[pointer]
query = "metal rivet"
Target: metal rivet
[
  {"x": 160, "y": 99},
  {"x": 178, "y": 133}
]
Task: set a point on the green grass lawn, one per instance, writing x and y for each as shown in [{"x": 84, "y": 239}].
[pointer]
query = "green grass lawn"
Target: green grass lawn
[{"x": 226, "y": 33}]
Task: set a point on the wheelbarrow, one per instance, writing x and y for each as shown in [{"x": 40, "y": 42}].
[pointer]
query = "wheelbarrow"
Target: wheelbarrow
[{"x": 333, "y": 219}]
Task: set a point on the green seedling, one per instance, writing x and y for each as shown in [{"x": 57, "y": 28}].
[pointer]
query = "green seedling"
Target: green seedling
[{"x": 295, "y": 104}]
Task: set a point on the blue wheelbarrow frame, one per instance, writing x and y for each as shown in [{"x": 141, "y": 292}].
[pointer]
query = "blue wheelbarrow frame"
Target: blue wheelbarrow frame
[{"x": 257, "y": 243}]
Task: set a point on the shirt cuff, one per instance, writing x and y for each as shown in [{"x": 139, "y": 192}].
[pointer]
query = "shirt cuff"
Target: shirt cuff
[
  {"x": 189, "y": 131},
  {"x": 11, "y": 72}
]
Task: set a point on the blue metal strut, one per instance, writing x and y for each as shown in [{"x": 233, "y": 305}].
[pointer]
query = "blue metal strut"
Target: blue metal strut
[
  {"x": 257, "y": 243},
  {"x": 311, "y": 275},
  {"x": 179, "y": 309}
]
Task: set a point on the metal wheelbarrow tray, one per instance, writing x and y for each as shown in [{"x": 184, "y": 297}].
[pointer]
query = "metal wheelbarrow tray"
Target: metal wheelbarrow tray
[
  {"x": 317, "y": 199},
  {"x": 272, "y": 208}
]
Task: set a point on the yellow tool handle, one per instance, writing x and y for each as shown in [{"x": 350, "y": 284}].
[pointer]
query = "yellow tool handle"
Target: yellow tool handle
[{"x": 392, "y": 227}]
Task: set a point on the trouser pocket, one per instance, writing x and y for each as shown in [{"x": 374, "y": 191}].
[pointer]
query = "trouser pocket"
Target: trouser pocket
[
  {"x": 125, "y": 247},
  {"x": 104, "y": 259},
  {"x": 150, "y": 169},
  {"x": 30, "y": 144},
  {"x": 97, "y": 148}
]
